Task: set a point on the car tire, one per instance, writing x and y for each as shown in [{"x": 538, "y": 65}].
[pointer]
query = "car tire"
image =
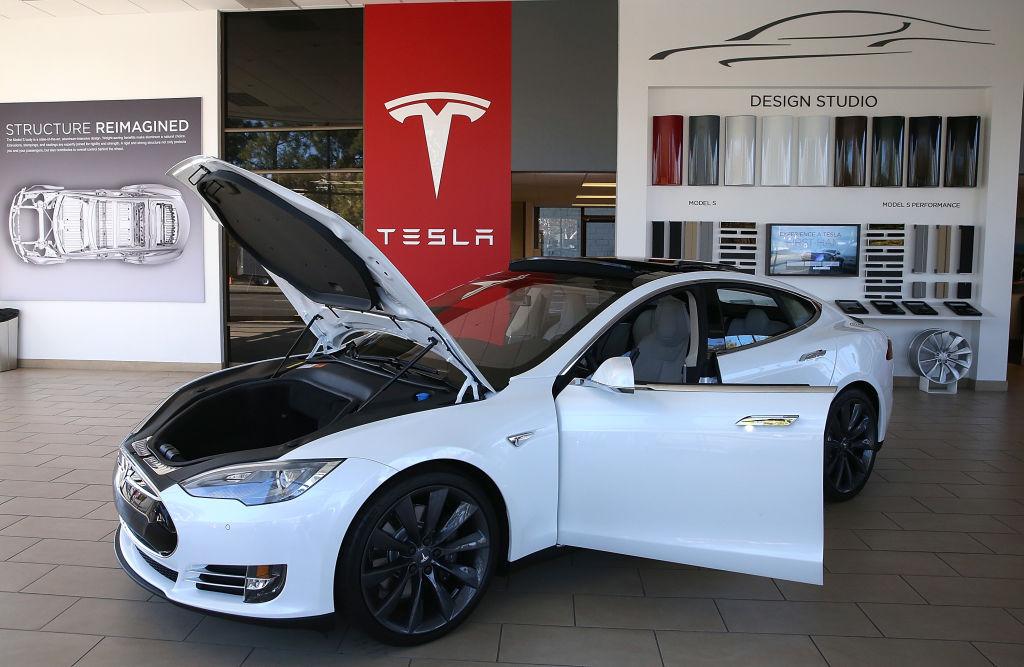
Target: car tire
[
  {"x": 851, "y": 445},
  {"x": 413, "y": 565}
]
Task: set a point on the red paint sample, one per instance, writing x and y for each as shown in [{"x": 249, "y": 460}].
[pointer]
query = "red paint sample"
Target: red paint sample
[{"x": 667, "y": 151}]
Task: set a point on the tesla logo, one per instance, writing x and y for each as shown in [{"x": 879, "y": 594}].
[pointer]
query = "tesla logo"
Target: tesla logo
[
  {"x": 438, "y": 236},
  {"x": 436, "y": 126}
]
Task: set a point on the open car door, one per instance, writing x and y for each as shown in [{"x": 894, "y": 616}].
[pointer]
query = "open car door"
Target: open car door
[{"x": 721, "y": 476}]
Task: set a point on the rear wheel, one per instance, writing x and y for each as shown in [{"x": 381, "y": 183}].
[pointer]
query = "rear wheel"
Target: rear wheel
[
  {"x": 851, "y": 440},
  {"x": 419, "y": 558}
]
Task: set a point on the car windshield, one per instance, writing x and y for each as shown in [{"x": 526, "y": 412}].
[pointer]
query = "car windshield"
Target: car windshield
[{"x": 509, "y": 322}]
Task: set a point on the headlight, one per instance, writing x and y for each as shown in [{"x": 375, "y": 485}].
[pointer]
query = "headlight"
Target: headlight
[{"x": 259, "y": 483}]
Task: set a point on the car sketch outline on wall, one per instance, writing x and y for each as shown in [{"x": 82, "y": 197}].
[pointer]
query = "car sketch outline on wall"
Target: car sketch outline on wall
[
  {"x": 809, "y": 45},
  {"x": 137, "y": 224}
]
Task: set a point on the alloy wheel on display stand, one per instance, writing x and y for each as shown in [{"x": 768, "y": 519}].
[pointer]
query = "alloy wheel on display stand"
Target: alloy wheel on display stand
[{"x": 942, "y": 358}]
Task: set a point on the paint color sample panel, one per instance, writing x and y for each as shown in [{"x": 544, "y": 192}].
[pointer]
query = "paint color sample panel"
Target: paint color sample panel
[
  {"x": 740, "y": 134},
  {"x": 702, "y": 155},
  {"x": 887, "y": 151},
  {"x": 814, "y": 150},
  {"x": 851, "y": 155},
  {"x": 923, "y": 136},
  {"x": 962, "y": 136},
  {"x": 777, "y": 150},
  {"x": 667, "y": 151}
]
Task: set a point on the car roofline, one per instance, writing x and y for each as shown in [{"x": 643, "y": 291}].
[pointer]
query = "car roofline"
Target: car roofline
[{"x": 613, "y": 267}]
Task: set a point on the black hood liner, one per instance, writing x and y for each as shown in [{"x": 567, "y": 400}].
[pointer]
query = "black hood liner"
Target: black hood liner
[{"x": 289, "y": 242}]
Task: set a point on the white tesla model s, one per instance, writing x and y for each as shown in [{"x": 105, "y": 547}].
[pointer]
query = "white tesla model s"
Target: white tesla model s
[{"x": 682, "y": 412}]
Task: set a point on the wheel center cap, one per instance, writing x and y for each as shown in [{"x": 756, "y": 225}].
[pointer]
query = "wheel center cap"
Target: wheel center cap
[{"x": 423, "y": 556}]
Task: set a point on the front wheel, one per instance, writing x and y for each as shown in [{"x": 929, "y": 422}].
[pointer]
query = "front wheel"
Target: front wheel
[
  {"x": 419, "y": 558},
  {"x": 851, "y": 440}
]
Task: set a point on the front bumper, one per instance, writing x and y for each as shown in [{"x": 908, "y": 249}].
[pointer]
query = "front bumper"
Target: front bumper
[{"x": 304, "y": 533}]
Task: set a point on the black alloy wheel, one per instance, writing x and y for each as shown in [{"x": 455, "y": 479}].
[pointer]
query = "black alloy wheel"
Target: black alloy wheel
[
  {"x": 851, "y": 442},
  {"x": 421, "y": 558}
]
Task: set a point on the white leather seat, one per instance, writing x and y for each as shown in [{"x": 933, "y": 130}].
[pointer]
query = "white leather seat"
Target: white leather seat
[
  {"x": 661, "y": 354},
  {"x": 755, "y": 323}
]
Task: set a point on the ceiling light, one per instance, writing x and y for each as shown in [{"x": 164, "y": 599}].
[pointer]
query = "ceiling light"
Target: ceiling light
[
  {"x": 599, "y": 185},
  {"x": 595, "y": 196},
  {"x": 588, "y": 205}
]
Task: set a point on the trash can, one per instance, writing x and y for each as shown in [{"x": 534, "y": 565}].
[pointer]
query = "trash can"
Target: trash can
[{"x": 8, "y": 339}]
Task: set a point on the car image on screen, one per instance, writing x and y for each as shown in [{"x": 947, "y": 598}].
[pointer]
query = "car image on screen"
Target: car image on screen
[{"x": 813, "y": 250}]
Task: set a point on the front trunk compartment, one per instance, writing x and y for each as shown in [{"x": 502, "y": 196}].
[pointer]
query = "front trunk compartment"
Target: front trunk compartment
[
  {"x": 246, "y": 414},
  {"x": 262, "y": 413}
]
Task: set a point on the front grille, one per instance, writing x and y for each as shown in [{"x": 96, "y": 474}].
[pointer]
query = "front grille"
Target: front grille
[
  {"x": 229, "y": 579},
  {"x": 162, "y": 569},
  {"x": 139, "y": 506}
]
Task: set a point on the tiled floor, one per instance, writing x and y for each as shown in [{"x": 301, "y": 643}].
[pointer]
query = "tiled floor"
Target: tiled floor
[{"x": 926, "y": 567}]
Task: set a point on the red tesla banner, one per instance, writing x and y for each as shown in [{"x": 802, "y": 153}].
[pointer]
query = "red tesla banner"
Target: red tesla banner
[{"x": 437, "y": 115}]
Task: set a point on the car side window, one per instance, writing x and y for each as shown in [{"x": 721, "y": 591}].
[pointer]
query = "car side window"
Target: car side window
[
  {"x": 799, "y": 310},
  {"x": 749, "y": 316}
]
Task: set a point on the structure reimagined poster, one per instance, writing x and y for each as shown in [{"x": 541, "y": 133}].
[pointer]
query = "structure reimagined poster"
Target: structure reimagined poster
[{"x": 92, "y": 214}]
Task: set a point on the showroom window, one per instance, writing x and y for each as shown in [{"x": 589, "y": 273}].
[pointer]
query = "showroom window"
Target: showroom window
[{"x": 293, "y": 114}]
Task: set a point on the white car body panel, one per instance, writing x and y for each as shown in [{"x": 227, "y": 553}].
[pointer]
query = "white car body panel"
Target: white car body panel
[
  {"x": 403, "y": 312},
  {"x": 475, "y": 433},
  {"x": 302, "y": 533},
  {"x": 814, "y": 150},
  {"x": 669, "y": 474},
  {"x": 740, "y": 133},
  {"x": 777, "y": 150}
]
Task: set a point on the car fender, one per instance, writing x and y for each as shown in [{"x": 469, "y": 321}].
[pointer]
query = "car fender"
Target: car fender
[
  {"x": 478, "y": 433},
  {"x": 861, "y": 358}
]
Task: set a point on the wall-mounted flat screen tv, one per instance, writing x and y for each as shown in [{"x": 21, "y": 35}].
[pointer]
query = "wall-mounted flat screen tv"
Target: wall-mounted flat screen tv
[{"x": 813, "y": 250}]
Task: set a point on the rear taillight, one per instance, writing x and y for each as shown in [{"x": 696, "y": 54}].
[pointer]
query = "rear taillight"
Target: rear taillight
[{"x": 888, "y": 350}]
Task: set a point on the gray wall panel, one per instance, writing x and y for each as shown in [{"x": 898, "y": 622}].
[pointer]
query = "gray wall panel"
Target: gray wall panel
[{"x": 564, "y": 85}]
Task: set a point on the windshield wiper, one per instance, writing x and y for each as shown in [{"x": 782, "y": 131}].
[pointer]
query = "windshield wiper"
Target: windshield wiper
[
  {"x": 399, "y": 373},
  {"x": 395, "y": 362}
]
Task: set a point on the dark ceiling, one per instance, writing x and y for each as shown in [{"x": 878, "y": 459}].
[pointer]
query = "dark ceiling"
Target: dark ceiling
[{"x": 294, "y": 67}]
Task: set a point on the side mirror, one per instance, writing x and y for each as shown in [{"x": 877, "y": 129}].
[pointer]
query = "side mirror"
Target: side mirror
[{"x": 616, "y": 373}]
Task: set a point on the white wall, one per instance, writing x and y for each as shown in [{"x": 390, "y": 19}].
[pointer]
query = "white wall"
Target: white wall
[
  {"x": 109, "y": 58},
  {"x": 934, "y": 79}
]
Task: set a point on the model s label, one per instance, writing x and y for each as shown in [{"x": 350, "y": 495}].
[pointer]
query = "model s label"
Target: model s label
[{"x": 437, "y": 125}]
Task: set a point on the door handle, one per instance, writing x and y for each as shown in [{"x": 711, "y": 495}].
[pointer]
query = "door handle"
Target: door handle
[
  {"x": 767, "y": 420},
  {"x": 807, "y": 356}
]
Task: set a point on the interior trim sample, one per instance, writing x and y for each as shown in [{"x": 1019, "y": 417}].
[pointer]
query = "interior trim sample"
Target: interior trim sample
[
  {"x": 923, "y": 136},
  {"x": 851, "y": 150},
  {"x": 920, "y": 249},
  {"x": 941, "y": 290},
  {"x": 814, "y": 150},
  {"x": 887, "y": 151},
  {"x": 675, "y": 239},
  {"x": 777, "y": 150},
  {"x": 707, "y": 240},
  {"x": 658, "y": 238},
  {"x": 965, "y": 263},
  {"x": 702, "y": 151},
  {"x": 667, "y": 151},
  {"x": 917, "y": 289},
  {"x": 963, "y": 290},
  {"x": 691, "y": 239},
  {"x": 943, "y": 240},
  {"x": 962, "y": 138},
  {"x": 740, "y": 135}
]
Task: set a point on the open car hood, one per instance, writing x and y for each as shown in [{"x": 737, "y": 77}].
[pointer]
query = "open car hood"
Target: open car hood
[{"x": 324, "y": 265}]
